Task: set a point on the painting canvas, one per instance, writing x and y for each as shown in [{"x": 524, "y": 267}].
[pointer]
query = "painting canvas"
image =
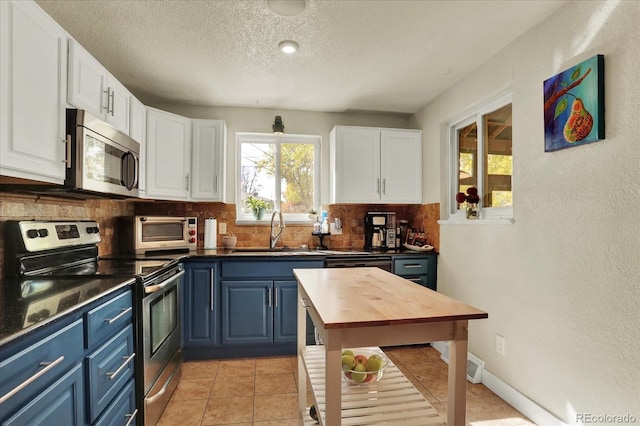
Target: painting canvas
[{"x": 574, "y": 105}]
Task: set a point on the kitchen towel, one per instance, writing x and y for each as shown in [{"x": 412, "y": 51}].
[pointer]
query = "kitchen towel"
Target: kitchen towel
[{"x": 210, "y": 233}]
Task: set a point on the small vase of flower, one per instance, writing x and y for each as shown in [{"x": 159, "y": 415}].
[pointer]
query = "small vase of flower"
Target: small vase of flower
[
  {"x": 471, "y": 200},
  {"x": 257, "y": 206}
]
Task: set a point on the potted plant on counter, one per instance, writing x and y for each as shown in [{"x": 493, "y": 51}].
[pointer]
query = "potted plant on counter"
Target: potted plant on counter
[{"x": 257, "y": 206}]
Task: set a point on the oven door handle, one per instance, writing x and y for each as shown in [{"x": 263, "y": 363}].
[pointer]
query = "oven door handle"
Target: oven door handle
[
  {"x": 154, "y": 288},
  {"x": 150, "y": 400}
]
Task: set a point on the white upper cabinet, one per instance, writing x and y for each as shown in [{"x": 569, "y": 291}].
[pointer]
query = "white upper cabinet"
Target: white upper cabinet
[
  {"x": 94, "y": 89},
  {"x": 33, "y": 58},
  {"x": 208, "y": 155},
  {"x": 168, "y": 156},
  {"x": 375, "y": 166}
]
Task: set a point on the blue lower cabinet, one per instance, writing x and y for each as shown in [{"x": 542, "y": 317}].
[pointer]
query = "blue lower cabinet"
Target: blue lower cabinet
[
  {"x": 62, "y": 403},
  {"x": 285, "y": 315},
  {"x": 247, "y": 312},
  {"x": 200, "y": 305},
  {"x": 122, "y": 411}
]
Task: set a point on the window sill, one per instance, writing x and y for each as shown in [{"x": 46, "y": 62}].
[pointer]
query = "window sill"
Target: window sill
[
  {"x": 267, "y": 222},
  {"x": 484, "y": 221}
]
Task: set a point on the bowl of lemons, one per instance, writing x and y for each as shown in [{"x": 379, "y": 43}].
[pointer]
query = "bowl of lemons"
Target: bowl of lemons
[{"x": 363, "y": 366}]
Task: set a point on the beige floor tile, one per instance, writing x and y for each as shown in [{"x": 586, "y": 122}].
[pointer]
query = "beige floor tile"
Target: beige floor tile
[
  {"x": 439, "y": 389},
  {"x": 480, "y": 390},
  {"x": 281, "y": 422},
  {"x": 188, "y": 412},
  {"x": 275, "y": 407},
  {"x": 224, "y": 387},
  {"x": 237, "y": 367},
  {"x": 407, "y": 355},
  {"x": 275, "y": 383},
  {"x": 274, "y": 365},
  {"x": 425, "y": 371},
  {"x": 223, "y": 411},
  {"x": 193, "y": 389},
  {"x": 200, "y": 369}
]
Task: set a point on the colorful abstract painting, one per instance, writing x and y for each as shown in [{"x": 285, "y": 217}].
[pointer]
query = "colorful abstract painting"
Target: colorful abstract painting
[{"x": 574, "y": 105}]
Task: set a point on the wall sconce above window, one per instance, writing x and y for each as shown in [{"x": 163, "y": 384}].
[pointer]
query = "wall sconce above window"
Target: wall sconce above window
[{"x": 278, "y": 126}]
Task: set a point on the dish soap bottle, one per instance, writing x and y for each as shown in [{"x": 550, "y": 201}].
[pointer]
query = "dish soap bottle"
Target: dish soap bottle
[{"x": 325, "y": 223}]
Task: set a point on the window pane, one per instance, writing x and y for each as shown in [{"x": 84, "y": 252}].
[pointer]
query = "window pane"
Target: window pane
[
  {"x": 257, "y": 173},
  {"x": 467, "y": 157},
  {"x": 498, "y": 160},
  {"x": 297, "y": 174}
]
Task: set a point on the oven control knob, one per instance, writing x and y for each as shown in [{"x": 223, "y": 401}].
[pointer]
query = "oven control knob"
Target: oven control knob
[
  {"x": 32, "y": 233},
  {"x": 43, "y": 232},
  {"x": 192, "y": 240},
  {"x": 192, "y": 232},
  {"x": 89, "y": 229},
  {"x": 96, "y": 230}
]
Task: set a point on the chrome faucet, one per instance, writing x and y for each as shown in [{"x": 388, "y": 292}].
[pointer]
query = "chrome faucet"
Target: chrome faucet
[{"x": 274, "y": 237}]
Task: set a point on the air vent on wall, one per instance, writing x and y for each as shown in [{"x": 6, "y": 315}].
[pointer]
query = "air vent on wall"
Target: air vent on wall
[{"x": 474, "y": 364}]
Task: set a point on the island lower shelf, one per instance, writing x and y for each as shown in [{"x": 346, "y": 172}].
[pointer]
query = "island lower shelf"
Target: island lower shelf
[{"x": 391, "y": 401}]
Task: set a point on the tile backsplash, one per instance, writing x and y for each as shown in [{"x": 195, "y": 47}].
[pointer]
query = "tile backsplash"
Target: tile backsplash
[{"x": 15, "y": 206}]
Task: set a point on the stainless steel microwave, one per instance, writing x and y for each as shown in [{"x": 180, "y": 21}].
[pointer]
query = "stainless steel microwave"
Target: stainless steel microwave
[{"x": 142, "y": 234}]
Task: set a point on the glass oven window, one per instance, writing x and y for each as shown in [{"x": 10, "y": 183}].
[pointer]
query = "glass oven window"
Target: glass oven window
[
  {"x": 164, "y": 318},
  {"x": 166, "y": 231}
]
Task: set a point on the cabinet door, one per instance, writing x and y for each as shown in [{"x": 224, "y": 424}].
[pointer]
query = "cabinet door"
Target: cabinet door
[
  {"x": 207, "y": 164},
  {"x": 33, "y": 51},
  {"x": 355, "y": 158},
  {"x": 87, "y": 81},
  {"x": 285, "y": 315},
  {"x": 168, "y": 160},
  {"x": 118, "y": 114},
  {"x": 401, "y": 166},
  {"x": 60, "y": 404},
  {"x": 247, "y": 312},
  {"x": 201, "y": 306}
]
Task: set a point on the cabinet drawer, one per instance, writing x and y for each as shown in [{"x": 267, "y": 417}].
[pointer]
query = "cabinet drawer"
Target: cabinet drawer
[
  {"x": 122, "y": 411},
  {"x": 28, "y": 372},
  {"x": 416, "y": 266},
  {"x": 266, "y": 268},
  {"x": 108, "y": 318},
  {"x": 60, "y": 404},
  {"x": 109, "y": 368}
]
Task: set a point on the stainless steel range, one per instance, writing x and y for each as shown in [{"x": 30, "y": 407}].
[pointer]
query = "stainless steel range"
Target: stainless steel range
[{"x": 67, "y": 250}]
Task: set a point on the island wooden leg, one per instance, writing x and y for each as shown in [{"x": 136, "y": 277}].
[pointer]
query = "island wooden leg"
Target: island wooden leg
[
  {"x": 301, "y": 345},
  {"x": 333, "y": 383},
  {"x": 458, "y": 375}
]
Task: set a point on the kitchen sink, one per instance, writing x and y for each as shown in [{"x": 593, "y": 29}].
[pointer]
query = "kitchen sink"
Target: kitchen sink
[{"x": 276, "y": 250}]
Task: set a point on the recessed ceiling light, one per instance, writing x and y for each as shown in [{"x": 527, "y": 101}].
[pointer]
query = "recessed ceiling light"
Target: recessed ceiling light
[{"x": 288, "y": 46}]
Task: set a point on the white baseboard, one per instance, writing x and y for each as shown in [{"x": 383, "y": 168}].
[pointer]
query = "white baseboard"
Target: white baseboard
[
  {"x": 533, "y": 411},
  {"x": 517, "y": 400}
]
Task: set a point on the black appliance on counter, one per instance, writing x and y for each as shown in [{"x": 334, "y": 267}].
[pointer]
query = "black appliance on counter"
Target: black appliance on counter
[
  {"x": 380, "y": 231},
  {"x": 42, "y": 255}
]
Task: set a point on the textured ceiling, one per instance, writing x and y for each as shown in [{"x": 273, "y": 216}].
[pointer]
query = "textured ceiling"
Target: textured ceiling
[{"x": 384, "y": 55}]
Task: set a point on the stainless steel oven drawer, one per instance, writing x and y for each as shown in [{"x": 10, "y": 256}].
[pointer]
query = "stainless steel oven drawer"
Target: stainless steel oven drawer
[
  {"x": 108, "y": 318},
  {"x": 109, "y": 369}
]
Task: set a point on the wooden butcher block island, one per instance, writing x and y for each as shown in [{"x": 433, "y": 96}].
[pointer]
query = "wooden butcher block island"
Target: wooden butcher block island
[{"x": 364, "y": 307}]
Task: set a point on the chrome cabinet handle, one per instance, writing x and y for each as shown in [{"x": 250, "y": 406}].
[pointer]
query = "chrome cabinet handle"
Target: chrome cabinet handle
[
  {"x": 123, "y": 312},
  {"x": 131, "y": 416},
  {"x": 112, "y": 375},
  {"x": 275, "y": 301},
  {"x": 384, "y": 186},
  {"x": 49, "y": 366},
  {"x": 211, "y": 302},
  {"x": 269, "y": 297},
  {"x": 67, "y": 157},
  {"x": 187, "y": 186},
  {"x": 113, "y": 92},
  {"x": 108, "y": 92},
  {"x": 378, "y": 185},
  {"x": 215, "y": 182},
  {"x": 412, "y": 265},
  {"x": 414, "y": 279}
]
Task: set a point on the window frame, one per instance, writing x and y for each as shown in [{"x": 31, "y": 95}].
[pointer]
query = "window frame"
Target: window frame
[
  {"x": 267, "y": 138},
  {"x": 494, "y": 215}
]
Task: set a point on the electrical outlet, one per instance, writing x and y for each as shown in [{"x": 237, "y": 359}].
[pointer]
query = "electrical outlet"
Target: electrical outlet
[
  {"x": 500, "y": 344},
  {"x": 222, "y": 228},
  {"x": 333, "y": 230}
]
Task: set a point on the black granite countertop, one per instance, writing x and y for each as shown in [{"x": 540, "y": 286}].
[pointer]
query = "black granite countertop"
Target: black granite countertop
[{"x": 27, "y": 305}]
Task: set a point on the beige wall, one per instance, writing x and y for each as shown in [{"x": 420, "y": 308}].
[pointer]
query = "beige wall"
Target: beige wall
[{"x": 562, "y": 283}]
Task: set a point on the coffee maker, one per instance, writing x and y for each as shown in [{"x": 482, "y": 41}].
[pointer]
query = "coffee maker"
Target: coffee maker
[{"x": 380, "y": 231}]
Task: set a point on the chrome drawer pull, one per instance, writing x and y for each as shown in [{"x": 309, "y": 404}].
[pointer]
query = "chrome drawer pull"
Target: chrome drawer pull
[
  {"x": 112, "y": 375},
  {"x": 49, "y": 366},
  {"x": 413, "y": 265},
  {"x": 152, "y": 399},
  {"x": 132, "y": 417},
  {"x": 122, "y": 313}
]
